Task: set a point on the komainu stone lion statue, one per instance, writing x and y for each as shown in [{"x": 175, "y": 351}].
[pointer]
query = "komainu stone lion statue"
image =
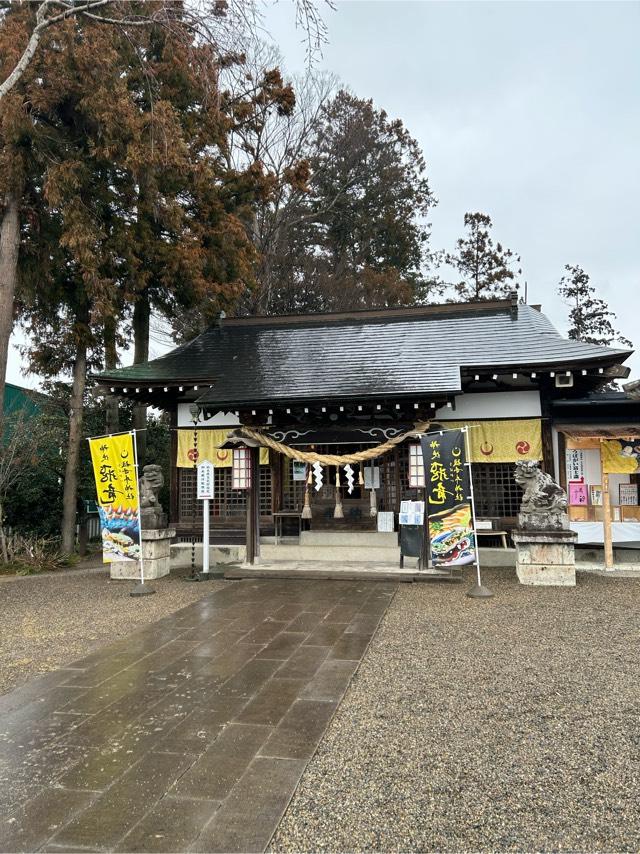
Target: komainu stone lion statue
[
  {"x": 544, "y": 503},
  {"x": 149, "y": 485}
]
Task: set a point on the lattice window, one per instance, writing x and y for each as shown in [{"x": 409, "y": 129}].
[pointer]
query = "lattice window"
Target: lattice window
[
  {"x": 496, "y": 492},
  {"x": 407, "y": 493},
  {"x": 416, "y": 466},
  {"x": 292, "y": 490},
  {"x": 227, "y": 502}
]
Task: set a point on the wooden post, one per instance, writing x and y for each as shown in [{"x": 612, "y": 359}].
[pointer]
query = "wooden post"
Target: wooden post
[
  {"x": 606, "y": 508},
  {"x": 253, "y": 508},
  {"x": 173, "y": 469},
  {"x": 255, "y": 488}
]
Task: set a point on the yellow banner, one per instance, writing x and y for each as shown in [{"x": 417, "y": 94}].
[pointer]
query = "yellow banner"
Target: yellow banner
[
  {"x": 209, "y": 442},
  {"x": 502, "y": 441},
  {"x": 114, "y": 469},
  {"x": 620, "y": 456}
]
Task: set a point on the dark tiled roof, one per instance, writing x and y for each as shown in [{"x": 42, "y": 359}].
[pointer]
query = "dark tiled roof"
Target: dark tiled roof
[{"x": 391, "y": 352}]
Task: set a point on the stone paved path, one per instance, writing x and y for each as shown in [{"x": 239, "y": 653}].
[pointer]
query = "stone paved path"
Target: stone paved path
[{"x": 190, "y": 734}]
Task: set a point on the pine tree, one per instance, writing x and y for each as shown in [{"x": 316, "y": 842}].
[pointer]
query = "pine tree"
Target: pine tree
[
  {"x": 590, "y": 317},
  {"x": 486, "y": 268}
]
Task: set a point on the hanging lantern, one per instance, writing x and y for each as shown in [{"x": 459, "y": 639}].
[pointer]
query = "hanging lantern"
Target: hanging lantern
[
  {"x": 241, "y": 468},
  {"x": 360, "y": 476}
]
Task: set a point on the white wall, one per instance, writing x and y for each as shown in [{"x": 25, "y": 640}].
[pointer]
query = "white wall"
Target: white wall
[
  {"x": 493, "y": 404},
  {"x": 220, "y": 419}
]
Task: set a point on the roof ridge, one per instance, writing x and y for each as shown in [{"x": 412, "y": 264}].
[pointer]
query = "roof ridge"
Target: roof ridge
[{"x": 371, "y": 314}]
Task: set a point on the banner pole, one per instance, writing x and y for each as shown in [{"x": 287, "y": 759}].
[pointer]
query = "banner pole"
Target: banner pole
[
  {"x": 141, "y": 589},
  {"x": 478, "y": 591}
]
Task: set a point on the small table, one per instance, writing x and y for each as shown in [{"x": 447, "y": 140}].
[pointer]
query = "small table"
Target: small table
[
  {"x": 487, "y": 533},
  {"x": 278, "y": 519}
]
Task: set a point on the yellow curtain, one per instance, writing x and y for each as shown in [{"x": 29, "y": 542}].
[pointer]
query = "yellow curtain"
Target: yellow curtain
[
  {"x": 503, "y": 441},
  {"x": 620, "y": 457},
  {"x": 209, "y": 442}
]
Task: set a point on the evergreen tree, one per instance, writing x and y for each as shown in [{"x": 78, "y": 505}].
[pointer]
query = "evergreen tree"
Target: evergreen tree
[
  {"x": 486, "y": 268},
  {"x": 133, "y": 205},
  {"x": 358, "y": 237},
  {"x": 590, "y": 317}
]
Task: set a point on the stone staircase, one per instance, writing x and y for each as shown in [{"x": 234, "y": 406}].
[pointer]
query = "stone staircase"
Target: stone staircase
[{"x": 335, "y": 547}]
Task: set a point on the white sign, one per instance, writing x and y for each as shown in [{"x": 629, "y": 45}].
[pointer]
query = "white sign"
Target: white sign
[
  {"x": 385, "y": 521},
  {"x": 299, "y": 470},
  {"x": 575, "y": 464},
  {"x": 367, "y": 477},
  {"x": 628, "y": 493},
  {"x": 411, "y": 518},
  {"x": 412, "y": 506},
  {"x": 205, "y": 479}
]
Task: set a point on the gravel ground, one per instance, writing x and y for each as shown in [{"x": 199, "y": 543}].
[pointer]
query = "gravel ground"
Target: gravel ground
[
  {"x": 509, "y": 724},
  {"x": 48, "y": 621}
]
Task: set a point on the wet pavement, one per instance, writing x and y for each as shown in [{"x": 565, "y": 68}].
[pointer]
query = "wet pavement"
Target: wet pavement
[{"x": 190, "y": 734}]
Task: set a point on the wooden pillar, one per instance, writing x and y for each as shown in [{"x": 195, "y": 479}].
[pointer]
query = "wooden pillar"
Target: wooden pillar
[
  {"x": 253, "y": 508},
  {"x": 547, "y": 446},
  {"x": 562, "y": 461},
  {"x": 606, "y": 508},
  {"x": 173, "y": 469},
  {"x": 275, "y": 463},
  {"x": 255, "y": 488}
]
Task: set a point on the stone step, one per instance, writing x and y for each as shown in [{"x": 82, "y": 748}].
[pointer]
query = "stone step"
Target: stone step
[
  {"x": 330, "y": 553},
  {"x": 353, "y": 571},
  {"x": 348, "y": 538}
]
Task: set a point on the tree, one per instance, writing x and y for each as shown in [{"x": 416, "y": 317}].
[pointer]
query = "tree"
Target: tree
[
  {"x": 135, "y": 206},
  {"x": 486, "y": 268},
  {"x": 590, "y": 317},
  {"x": 28, "y": 469},
  {"x": 30, "y": 42},
  {"x": 352, "y": 231}
]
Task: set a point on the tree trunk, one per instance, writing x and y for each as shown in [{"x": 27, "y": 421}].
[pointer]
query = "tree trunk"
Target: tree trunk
[
  {"x": 141, "y": 321},
  {"x": 69, "y": 495},
  {"x": 3, "y": 538},
  {"x": 112, "y": 412},
  {"x": 9, "y": 248}
]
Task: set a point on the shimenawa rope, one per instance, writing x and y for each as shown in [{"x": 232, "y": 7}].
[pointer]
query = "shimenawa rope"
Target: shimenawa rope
[{"x": 330, "y": 459}]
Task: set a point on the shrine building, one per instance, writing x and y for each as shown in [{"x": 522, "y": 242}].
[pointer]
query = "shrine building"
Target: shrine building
[{"x": 338, "y": 384}]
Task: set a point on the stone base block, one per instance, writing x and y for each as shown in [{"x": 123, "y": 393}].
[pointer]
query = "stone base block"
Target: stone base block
[
  {"x": 156, "y": 557},
  {"x": 545, "y": 557},
  {"x": 550, "y": 575}
]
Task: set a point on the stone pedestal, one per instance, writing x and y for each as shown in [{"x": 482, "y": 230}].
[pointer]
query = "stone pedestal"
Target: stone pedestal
[
  {"x": 545, "y": 557},
  {"x": 156, "y": 556}
]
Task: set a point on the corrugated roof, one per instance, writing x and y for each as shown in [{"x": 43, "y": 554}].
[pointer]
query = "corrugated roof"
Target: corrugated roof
[{"x": 390, "y": 352}]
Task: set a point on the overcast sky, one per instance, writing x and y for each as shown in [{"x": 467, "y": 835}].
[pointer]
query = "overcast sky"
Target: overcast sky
[{"x": 526, "y": 111}]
